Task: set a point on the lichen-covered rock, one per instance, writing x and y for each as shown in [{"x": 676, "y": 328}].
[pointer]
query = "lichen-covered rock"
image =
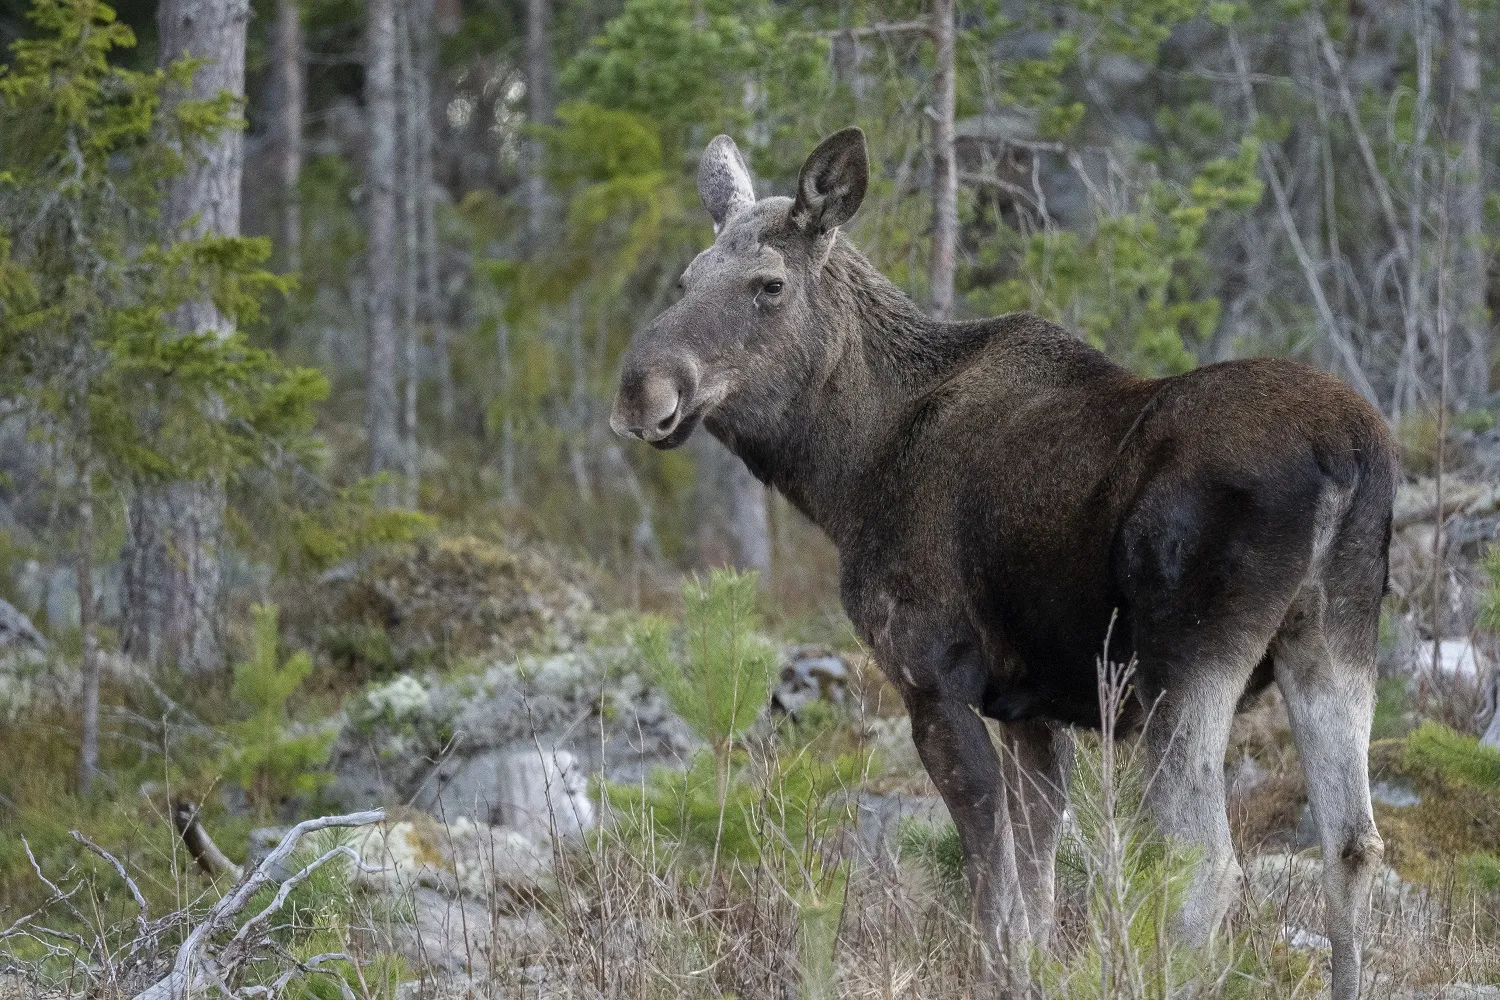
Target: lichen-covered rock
[
  {"x": 16, "y": 630},
  {"x": 459, "y": 857},
  {"x": 810, "y": 674},
  {"x": 538, "y": 793},
  {"x": 444, "y": 599},
  {"x": 447, "y": 744}
]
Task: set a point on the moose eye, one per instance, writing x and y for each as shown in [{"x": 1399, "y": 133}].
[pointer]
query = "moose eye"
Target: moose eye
[{"x": 773, "y": 287}]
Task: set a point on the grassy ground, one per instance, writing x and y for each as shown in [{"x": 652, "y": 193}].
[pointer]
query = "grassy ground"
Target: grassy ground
[{"x": 753, "y": 874}]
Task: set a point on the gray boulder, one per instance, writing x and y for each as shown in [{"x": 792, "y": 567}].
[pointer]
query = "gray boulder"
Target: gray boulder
[{"x": 17, "y": 632}]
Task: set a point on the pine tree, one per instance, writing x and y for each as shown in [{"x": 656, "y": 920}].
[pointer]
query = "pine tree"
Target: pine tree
[{"x": 92, "y": 290}]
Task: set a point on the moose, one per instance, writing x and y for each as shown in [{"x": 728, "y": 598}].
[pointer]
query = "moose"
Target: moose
[{"x": 1005, "y": 500}]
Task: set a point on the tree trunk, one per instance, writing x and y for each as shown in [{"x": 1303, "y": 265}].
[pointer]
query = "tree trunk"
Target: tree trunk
[
  {"x": 749, "y": 525},
  {"x": 944, "y": 167},
  {"x": 173, "y": 576},
  {"x": 410, "y": 241},
  {"x": 88, "y": 753},
  {"x": 539, "y": 107},
  {"x": 426, "y": 66},
  {"x": 382, "y": 408},
  {"x": 1491, "y": 736},
  {"x": 287, "y": 54},
  {"x": 1463, "y": 115},
  {"x": 735, "y": 529},
  {"x": 508, "y": 492}
]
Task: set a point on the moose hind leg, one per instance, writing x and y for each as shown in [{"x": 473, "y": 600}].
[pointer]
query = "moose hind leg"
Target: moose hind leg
[
  {"x": 1330, "y": 699},
  {"x": 1038, "y": 761},
  {"x": 1185, "y": 741}
]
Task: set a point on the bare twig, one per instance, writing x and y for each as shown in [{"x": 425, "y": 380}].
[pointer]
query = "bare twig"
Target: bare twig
[
  {"x": 196, "y": 965},
  {"x": 260, "y": 919},
  {"x": 882, "y": 29},
  {"x": 141, "y": 917},
  {"x": 1361, "y": 137},
  {"x": 1341, "y": 344},
  {"x": 200, "y": 845}
]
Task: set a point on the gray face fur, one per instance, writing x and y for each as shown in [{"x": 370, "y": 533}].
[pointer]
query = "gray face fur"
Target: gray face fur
[{"x": 743, "y": 338}]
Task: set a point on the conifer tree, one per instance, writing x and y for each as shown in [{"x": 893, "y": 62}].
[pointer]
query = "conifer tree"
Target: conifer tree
[{"x": 92, "y": 289}]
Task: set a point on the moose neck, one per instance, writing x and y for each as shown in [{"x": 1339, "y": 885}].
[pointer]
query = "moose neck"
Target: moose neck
[{"x": 822, "y": 452}]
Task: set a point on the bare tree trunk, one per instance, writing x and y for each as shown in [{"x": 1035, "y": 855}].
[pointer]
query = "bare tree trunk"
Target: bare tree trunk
[
  {"x": 382, "y": 409},
  {"x": 287, "y": 54},
  {"x": 749, "y": 524},
  {"x": 88, "y": 752},
  {"x": 508, "y": 491},
  {"x": 1463, "y": 116},
  {"x": 172, "y": 572},
  {"x": 944, "y": 166},
  {"x": 578, "y": 410},
  {"x": 539, "y": 107},
  {"x": 425, "y": 65},
  {"x": 1491, "y": 736},
  {"x": 410, "y": 241},
  {"x": 734, "y": 526}
]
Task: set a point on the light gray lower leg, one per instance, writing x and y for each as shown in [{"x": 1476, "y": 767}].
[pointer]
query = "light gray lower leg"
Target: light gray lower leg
[
  {"x": 1186, "y": 740},
  {"x": 1330, "y": 706},
  {"x": 1038, "y": 760}
]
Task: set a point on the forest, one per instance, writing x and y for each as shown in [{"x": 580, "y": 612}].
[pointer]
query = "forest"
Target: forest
[{"x": 346, "y": 652}]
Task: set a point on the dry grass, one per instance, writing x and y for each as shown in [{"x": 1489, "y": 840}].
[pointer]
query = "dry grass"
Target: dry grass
[{"x": 628, "y": 913}]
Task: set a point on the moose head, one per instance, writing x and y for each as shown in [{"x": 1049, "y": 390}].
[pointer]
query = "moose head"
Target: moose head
[{"x": 744, "y": 337}]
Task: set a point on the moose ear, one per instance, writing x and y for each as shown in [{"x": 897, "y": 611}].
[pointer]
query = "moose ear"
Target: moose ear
[
  {"x": 832, "y": 182},
  {"x": 724, "y": 181}
]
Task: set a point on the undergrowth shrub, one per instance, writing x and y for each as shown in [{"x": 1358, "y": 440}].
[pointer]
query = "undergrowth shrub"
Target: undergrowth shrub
[
  {"x": 267, "y": 754},
  {"x": 761, "y": 806}
]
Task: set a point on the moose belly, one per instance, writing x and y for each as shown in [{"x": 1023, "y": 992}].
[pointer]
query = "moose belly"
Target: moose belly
[{"x": 1049, "y": 674}]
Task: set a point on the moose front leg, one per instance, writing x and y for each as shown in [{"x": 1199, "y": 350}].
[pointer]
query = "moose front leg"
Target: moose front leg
[{"x": 956, "y": 750}]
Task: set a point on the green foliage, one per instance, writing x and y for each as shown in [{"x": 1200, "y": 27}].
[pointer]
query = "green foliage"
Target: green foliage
[
  {"x": 1489, "y": 609},
  {"x": 349, "y": 523},
  {"x": 1454, "y": 827},
  {"x": 268, "y": 756},
  {"x": 89, "y": 285},
  {"x": 1391, "y": 702},
  {"x": 715, "y": 670},
  {"x": 653, "y": 60},
  {"x": 937, "y": 850},
  {"x": 1133, "y": 286},
  {"x": 362, "y": 651},
  {"x": 1419, "y": 433},
  {"x": 767, "y": 804},
  {"x": 1483, "y": 871},
  {"x": 1451, "y": 756},
  {"x": 684, "y": 63},
  {"x": 769, "y": 817}
]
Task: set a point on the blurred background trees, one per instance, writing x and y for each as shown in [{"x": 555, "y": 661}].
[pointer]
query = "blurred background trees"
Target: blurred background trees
[
  {"x": 317, "y": 305},
  {"x": 476, "y": 202}
]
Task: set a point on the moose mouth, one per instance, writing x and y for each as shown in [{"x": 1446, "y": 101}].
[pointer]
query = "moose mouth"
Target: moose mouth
[{"x": 680, "y": 433}]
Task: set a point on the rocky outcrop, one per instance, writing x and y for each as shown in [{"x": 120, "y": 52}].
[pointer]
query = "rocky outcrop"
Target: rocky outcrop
[
  {"x": 17, "y": 632},
  {"x": 499, "y": 745},
  {"x": 444, "y": 600}
]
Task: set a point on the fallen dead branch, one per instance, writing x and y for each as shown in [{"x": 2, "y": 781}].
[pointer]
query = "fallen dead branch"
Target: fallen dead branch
[
  {"x": 199, "y": 964},
  {"x": 200, "y": 845}
]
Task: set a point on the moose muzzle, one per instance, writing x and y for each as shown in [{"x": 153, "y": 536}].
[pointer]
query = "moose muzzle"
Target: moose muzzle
[{"x": 655, "y": 401}]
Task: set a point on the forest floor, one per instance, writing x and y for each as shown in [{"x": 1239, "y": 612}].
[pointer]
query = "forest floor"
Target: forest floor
[{"x": 555, "y": 827}]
